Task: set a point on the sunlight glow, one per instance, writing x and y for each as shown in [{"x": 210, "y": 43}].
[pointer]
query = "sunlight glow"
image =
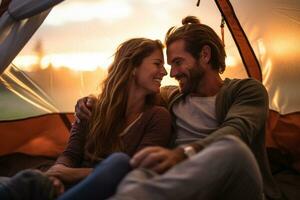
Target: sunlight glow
[
  {"x": 105, "y": 10},
  {"x": 261, "y": 48},
  {"x": 266, "y": 69},
  {"x": 274, "y": 102},
  {"x": 77, "y": 61},
  {"x": 230, "y": 61},
  {"x": 74, "y": 61},
  {"x": 283, "y": 46},
  {"x": 26, "y": 62}
]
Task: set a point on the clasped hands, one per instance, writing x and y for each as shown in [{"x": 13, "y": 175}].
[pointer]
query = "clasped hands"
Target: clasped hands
[{"x": 60, "y": 174}]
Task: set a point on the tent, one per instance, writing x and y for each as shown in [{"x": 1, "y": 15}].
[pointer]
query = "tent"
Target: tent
[
  {"x": 265, "y": 39},
  {"x": 19, "y": 20}
]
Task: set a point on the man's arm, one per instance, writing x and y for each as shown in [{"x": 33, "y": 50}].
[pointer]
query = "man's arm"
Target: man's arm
[
  {"x": 85, "y": 105},
  {"x": 247, "y": 115},
  {"x": 166, "y": 94}
]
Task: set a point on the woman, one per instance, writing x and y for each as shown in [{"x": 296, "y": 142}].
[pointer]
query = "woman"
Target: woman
[{"x": 124, "y": 119}]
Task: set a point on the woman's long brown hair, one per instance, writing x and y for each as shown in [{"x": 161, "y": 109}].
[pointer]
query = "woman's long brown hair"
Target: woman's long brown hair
[{"x": 108, "y": 116}]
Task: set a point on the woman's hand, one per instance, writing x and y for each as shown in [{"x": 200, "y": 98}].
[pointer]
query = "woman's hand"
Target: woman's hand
[
  {"x": 58, "y": 185},
  {"x": 67, "y": 174},
  {"x": 61, "y": 172}
]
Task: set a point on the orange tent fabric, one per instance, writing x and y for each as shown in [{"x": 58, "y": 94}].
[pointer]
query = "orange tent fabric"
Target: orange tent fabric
[
  {"x": 44, "y": 135},
  {"x": 283, "y": 134}
]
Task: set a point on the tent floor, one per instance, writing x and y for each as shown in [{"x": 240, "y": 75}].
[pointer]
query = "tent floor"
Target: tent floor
[{"x": 13, "y": 163}]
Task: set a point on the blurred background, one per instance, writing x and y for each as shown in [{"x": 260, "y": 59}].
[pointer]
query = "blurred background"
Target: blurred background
[{"x": 68, "y": 56}]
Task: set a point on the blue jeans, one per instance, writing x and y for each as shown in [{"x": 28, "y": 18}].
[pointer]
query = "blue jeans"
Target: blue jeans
[{"x": 103, "y": 181}]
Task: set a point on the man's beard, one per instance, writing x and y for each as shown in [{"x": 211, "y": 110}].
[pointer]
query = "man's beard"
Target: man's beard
[{"x": 196, "y": 73}]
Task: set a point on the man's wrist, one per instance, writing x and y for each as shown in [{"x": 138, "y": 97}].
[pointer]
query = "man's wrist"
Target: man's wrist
[
  {"x": 180, "y": 153},
  {"x": 189, "y": 151}
]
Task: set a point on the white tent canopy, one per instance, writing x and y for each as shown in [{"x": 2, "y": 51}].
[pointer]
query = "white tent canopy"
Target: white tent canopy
[
  {"x": 18, "y": 23},
  {"x": 273, "y": 29}
]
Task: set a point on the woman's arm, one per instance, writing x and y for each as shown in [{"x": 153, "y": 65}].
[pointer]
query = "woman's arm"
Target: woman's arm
[
  {"x": 65, "y": 167},
  {"x": 72, "y": 156}
]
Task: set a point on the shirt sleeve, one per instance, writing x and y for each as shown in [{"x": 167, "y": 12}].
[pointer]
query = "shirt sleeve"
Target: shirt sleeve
[
  {"x": 72, "y": 156},
  {"x": 158, "y": 129}
]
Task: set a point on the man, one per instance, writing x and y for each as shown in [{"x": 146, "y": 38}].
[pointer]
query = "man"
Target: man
[{"x": 211, "y": 117}]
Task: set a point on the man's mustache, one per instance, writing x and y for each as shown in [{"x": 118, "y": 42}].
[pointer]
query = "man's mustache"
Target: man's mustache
[{"x": 179, "y": 76}]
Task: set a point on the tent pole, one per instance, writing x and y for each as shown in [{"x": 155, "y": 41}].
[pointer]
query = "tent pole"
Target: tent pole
[{"x": 249, "y": 59}]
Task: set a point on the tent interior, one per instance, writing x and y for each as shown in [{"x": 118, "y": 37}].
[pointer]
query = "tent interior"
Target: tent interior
[{"x": 50, "y": 57}]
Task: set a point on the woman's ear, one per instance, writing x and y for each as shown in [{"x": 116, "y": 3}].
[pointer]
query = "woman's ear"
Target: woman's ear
[
  {"x": 134, "y": 71},
  {"x": 205, "y": 54}
]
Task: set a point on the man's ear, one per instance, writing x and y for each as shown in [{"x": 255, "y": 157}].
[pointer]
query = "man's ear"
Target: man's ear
[{"x": 205, "y": 54}]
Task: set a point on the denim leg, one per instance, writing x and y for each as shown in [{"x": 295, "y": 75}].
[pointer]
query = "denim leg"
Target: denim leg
[
  {"x": 224, "y": 170},
  {"x": 103, "y": 181},
  {"x": 27, "y": 185},
  {"x": 4, "y": 192}
]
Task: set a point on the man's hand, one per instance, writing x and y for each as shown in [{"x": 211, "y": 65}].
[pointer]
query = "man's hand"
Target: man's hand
[
  {"x": 84, "y": 106},
  {"x": 158, "y": 159}
]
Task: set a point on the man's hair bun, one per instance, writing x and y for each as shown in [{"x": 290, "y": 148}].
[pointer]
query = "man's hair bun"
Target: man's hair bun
[{"x": 190, "y": 20}]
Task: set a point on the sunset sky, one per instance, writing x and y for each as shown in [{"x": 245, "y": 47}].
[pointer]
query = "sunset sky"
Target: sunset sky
[{"x": 83, "y": 34}]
